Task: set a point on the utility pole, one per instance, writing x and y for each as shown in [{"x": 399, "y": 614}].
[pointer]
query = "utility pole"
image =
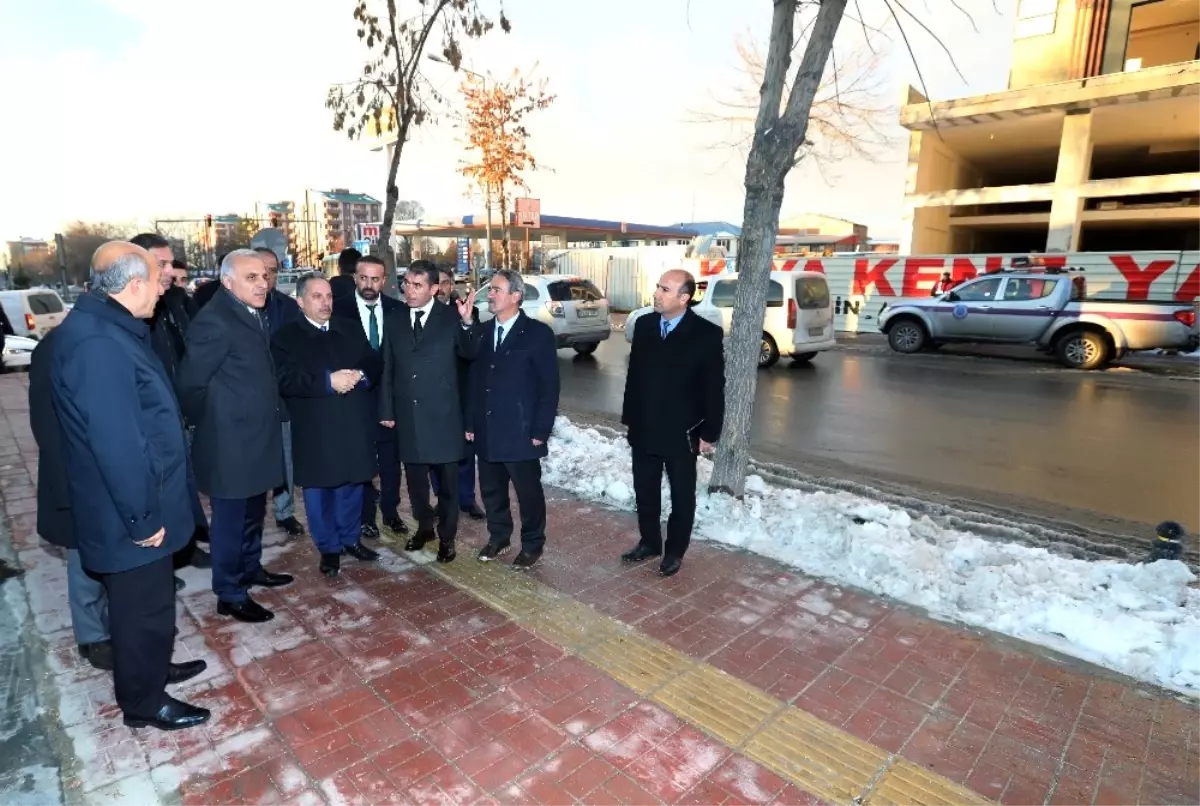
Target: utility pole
[{"x": 60, "y": 250}]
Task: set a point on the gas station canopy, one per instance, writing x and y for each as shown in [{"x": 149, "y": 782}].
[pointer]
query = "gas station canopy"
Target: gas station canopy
[{"x": 563, "y": 229}]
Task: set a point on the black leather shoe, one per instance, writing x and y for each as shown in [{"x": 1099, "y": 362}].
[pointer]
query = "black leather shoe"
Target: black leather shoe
[
  {"x": 99, "y": 654},
  {"x": 396, "y": 525},
  {"x": 638, "y": 553},
  {"x": 200, "y": 558},
  {"x": 670, "y": 566},
  {"x": 265, "y": 579},
  {"x": 175, "y": 715},
  {"x": 293, "y": 527},
  {"x": 418, "y": 541},
  {"x": 446, "y": 552},
  {"x": 178, "y": 672},
  {"x": 492, "y": 551},
  {"x": 360, "y": 552},
  {"x": 526, "y": 559},
  {"x": 331, "y": 565},
  {"x": 369, "y": 531},
  {"x": 179, "y": 584},
  {"x": 474, "y": 512},
  {"x": 247, "y": 610}
]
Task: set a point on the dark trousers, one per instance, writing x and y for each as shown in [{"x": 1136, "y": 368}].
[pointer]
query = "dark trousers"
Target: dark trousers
[
  {"x": 466, "y": 479},
  {"x": 333, "y": 516},
  {"x": 446, "y": 513},
  {"x": 388, "y": 494},
  {"x": 647, "y": 484},
  {"x": 141, "y": 610},
  {"x": 235, "y": 541},
  {"x": 526, "y": 478}
]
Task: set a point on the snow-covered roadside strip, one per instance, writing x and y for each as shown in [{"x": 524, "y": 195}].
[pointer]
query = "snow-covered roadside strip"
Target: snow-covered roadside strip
[{"x": 1141, "y": 620}]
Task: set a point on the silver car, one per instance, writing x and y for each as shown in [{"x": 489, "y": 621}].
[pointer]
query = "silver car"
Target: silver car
[{"x": 574, "y": 308}]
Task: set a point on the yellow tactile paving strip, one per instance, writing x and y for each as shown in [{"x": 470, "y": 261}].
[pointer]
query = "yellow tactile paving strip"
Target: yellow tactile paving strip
[{"x": 816, "y": 756}]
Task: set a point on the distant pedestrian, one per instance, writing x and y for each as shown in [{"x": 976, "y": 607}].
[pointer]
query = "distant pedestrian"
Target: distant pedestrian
[
  {"x": 128, "y": 477},
  {"x": 322, "y": 367},
  {"x": 343, "y": 284},
  {"x": 228, "y": 388},
  {"x": 674, "y": 409},
  {"x": 512, "y": 403}
]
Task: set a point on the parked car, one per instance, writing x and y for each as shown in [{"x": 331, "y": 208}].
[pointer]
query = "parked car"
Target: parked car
[
  {"x": 17, "y": 352},
  {"x": 1044, "y": 309},
  {"x": 799, "y": 319},
  {"x": 573, "y": 307},
  {"x": 34, "y": 312}
]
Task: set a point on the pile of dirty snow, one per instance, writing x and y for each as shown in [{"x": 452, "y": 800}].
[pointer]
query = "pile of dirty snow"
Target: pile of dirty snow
[{"x": 1141, "y": 620}]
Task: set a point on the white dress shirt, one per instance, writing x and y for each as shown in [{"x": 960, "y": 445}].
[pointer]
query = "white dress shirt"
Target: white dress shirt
[
  {"x": 502, "y": 331},
  {"x": 425, "y": 309},
  {"x": 364, "y": 315}
]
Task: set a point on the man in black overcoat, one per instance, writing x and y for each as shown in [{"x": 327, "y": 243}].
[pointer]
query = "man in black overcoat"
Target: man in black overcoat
[
  {"x": 674, "y": 408},
  {"x": 228, "y": 389},
  {"x": 369, "y": 310},
  {"x": 419, "y": 397},
  {"x": 322, "y": 365}
]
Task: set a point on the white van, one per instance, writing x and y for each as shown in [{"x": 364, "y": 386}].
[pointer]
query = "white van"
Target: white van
[
  {"x": 799, "y": 320},
  {"x": 33, "y": 312}
]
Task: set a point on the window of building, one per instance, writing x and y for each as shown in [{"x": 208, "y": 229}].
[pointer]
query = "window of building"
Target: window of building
[{"x": 1035, "y": 18}]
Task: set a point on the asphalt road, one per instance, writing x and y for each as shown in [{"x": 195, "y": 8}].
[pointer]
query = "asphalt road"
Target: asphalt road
[{"x": 1116, "y": 451}]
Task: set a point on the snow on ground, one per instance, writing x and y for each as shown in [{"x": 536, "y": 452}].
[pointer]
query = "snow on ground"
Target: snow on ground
[{"x": 1141, "y": 620}]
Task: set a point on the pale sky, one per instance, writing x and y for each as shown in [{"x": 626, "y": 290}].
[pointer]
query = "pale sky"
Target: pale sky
[{"x": 127, "y": 110}]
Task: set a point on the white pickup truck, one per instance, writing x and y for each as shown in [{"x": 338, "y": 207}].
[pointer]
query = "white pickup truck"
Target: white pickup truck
[{"x": 1042, "y": 309}]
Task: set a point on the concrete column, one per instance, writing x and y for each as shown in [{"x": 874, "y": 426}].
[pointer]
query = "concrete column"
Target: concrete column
[{"x": 1074, "y": 164}]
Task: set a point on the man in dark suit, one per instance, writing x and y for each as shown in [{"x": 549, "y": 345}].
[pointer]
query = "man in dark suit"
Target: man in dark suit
[
  {"x": 344, "y": 284},
  {"x": 322, "y": 364},
  {"x": 127, "y": 476},
  {"x": 279, "y": 311},
  {"x": 55, "y": 520},
  {"x": 513, "y": 401},
  {"x": 674, "y": 409},
  {"x": 370, "y": 310},
  {"x": 419, "y": 397},
  {"x": 168, "y": 332},
  {"x": 447, "y": 295},
  {"x": 227, "y": 387}
]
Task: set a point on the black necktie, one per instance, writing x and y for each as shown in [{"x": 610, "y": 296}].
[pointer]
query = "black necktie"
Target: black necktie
[{"x": 418, "y": 329}]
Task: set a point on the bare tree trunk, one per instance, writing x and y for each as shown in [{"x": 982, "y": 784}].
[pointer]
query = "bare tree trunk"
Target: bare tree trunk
[
  {"x": 506, "y": 245},
  {"x": 777, "y": 138}
]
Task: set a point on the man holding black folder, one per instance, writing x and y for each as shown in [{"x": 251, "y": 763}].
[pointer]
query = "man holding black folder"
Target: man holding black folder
[{"x": 674, "y": 409}]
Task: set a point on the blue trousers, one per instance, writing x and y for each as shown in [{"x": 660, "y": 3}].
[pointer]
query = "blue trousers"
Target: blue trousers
[
  {"x": 88, "y": 601},
  {"x": 334, "y": 516},
  {"x": 235, "y": 541}
]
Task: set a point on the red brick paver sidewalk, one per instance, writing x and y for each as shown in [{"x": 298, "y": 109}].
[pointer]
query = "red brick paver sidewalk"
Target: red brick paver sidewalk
[{"x": 392, "y": 684}]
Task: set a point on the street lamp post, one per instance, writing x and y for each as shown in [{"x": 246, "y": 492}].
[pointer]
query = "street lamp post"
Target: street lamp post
[{"x": 487, "y": 185}]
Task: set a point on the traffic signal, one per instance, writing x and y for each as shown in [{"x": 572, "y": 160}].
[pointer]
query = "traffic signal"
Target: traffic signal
[
  {"x": 274, "y": 220},
  {"x": 208, "y": 221}
]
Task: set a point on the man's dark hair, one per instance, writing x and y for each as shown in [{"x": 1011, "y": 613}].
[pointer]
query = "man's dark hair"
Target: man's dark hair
[
  {"x": 374, "y": 260},
  {"x": 348, "y": 259},
  {"x": 688, "y": 286},
  {"x": 150, "y": 240},
  {"x": 179, "y": 264},
  {"x": 446, "y": 272},
  {"x": 425, "y": 269},
  {"x": 266, "y": 250}
]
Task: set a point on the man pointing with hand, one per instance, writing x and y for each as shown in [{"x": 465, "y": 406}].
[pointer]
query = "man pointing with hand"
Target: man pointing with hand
[{"x": 419, "y": 397}]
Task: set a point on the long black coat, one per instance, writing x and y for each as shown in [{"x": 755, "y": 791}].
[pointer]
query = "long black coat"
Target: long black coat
[
  {"x": 228, "y": 390},
  {"x": 675, "y": 388},
  {"x": 333, "y": 436},
  {"x": 513, "y": 397},
  {"x": 419, "y": 389},
  {"x": 346, "y": 307},
  {"x": 168, "y": 328},
  {"x": 55, "y": 520},
  {"x": 280, "y": 310},
  {"x": 124, "y": 438}
]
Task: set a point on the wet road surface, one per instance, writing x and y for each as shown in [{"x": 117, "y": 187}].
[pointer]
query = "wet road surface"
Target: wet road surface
[{"x": 1113, "y": 450}]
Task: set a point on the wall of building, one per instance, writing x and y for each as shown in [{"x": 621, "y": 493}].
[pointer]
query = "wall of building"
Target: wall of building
[
  {"x": 1040, "y": 57},
  {"x": 1167, "y": 45}
]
